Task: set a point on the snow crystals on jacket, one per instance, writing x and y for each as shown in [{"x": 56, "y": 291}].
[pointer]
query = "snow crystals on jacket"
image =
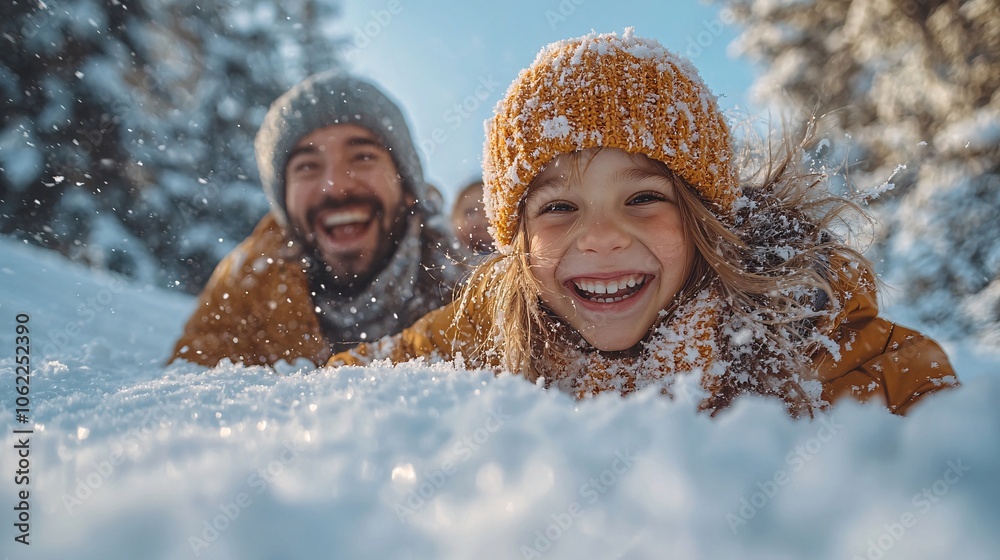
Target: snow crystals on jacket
[
  {"x": 864, "y": 357},
  {"x": 259, "y": 306}
]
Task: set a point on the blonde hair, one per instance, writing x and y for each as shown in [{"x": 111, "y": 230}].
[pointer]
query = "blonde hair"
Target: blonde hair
[{"x": 772, "y": 262}]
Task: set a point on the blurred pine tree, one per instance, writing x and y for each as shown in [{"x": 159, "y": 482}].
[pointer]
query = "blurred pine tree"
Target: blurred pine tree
[
  {"x": 909, "y": 83},
  {"x": 126, "y": 139}
]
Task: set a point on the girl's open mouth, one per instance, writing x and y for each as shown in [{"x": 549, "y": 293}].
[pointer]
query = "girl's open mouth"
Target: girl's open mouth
[{"x": 609, "y": 290}]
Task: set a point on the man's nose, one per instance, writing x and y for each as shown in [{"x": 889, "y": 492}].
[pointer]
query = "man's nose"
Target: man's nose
[{"x": 337, "y": 179}]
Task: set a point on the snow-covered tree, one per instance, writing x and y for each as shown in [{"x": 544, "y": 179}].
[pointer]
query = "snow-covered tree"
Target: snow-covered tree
[
  {"x": 134, "y": 149},
  {"x": 58, "y": 132},
  {"x": 909, "y": 83}
]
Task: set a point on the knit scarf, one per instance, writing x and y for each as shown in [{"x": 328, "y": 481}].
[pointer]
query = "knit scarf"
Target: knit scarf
[
  {"x": 403, "y": 292},
  {"x": 684, "y": 341},
  {"x": 712, "y": 351}
]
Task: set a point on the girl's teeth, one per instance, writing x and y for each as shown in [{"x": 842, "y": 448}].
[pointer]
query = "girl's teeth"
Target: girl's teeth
[{"x": 612, "y": 287}]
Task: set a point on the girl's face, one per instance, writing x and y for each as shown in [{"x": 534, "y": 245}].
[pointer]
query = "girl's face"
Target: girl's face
[{"x": 606, "y": 244}]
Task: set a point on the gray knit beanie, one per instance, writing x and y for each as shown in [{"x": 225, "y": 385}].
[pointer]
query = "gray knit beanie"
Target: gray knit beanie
[{"x": 326, "y": 99}]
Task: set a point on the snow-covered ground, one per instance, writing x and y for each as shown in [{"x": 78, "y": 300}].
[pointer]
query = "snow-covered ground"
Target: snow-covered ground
[{"x": 131, "y": 459}]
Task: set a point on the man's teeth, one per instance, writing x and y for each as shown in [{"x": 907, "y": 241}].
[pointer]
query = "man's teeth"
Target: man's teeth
[
  {"x": 347, "y": 217},
  {"x": 618, "y": 289}
]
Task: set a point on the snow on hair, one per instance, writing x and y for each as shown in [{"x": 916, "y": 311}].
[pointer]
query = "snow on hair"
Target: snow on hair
[{"x": 777, "y": 279}]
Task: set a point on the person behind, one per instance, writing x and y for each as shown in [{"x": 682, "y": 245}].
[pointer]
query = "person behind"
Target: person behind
[
  {"x": 468, "y": 220},
  {"x": 630, "y": 251},
  {"x": 353, "y": 248}
]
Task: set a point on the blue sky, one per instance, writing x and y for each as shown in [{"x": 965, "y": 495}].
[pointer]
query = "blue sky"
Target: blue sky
[{"x": 448, "y": 65}]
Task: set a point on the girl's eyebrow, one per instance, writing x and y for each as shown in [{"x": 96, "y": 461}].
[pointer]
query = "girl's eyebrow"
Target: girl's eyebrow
[
  {"x": 556, "y": 181},
  {"x": 629, "y": 174},
  {"x": 639, "y": 174}
]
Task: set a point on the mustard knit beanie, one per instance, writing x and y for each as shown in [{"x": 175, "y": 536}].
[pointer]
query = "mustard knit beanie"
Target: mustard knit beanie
[{"x": 601, "y": 90}]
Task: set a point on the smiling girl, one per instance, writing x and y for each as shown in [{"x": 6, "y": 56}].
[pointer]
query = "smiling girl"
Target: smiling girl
[{"x": 630, "y": 252}]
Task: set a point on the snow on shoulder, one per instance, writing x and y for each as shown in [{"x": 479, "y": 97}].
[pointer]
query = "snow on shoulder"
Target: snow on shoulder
[{"x": 130, "y": 459}]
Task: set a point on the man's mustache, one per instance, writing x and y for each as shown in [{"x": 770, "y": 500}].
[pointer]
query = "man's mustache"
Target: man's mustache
[{"x": 331, "y": 203}]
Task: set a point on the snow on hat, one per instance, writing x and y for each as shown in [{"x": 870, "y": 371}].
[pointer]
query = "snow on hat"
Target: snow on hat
[
  {"x": 601, "y": 90},
  {"x": 326, "y": 99}
]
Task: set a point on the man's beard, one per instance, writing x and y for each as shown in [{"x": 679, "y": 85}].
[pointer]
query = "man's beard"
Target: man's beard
[{"x": 346, "y": 277}]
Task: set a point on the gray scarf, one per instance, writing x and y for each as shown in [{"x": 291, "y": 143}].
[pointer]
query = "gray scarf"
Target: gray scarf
[{"x": 419, "y": 278}]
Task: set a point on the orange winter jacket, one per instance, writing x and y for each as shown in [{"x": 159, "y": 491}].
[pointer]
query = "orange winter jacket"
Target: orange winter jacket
[
  {"x": 881, "y": 360},
  {"x": 258, "y": 307},
  {"x": 878, "y": 360}
]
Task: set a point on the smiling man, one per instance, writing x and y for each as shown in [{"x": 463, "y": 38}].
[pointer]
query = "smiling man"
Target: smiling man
[
  {"x": 353, "y": 249},
  {"x": 346, "y": 201}
]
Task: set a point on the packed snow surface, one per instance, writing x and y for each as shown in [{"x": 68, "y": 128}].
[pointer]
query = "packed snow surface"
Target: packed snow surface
[{"x": 133, "y": 459}]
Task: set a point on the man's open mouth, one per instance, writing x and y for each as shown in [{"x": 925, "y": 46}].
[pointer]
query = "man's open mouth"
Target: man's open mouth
[
  {"x": 347, "y": 224},
  {"x": 609, "y": 290}
]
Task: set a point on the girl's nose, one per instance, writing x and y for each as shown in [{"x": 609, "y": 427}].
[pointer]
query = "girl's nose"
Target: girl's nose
[{"x": 602, "y": 235}]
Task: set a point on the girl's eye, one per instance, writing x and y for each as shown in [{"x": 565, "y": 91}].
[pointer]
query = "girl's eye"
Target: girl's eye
[
  {"x": 556, "y": 206},
  {"x": 366, "y": 156},
  {"x": 647, "y": 197}
]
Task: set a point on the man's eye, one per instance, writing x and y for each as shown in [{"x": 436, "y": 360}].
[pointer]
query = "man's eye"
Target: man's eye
[
  {"x": 303, "y": 166},
  {"x": 366, "y": 156}
]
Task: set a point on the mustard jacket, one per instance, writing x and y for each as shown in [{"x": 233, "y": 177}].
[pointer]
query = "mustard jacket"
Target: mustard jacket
[
  {"x": 258, "y": 308},
  {"x": 878, "y": 359}
]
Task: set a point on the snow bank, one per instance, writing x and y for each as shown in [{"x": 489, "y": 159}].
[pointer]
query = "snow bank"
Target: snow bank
[{"x": 130, "y": 459}]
